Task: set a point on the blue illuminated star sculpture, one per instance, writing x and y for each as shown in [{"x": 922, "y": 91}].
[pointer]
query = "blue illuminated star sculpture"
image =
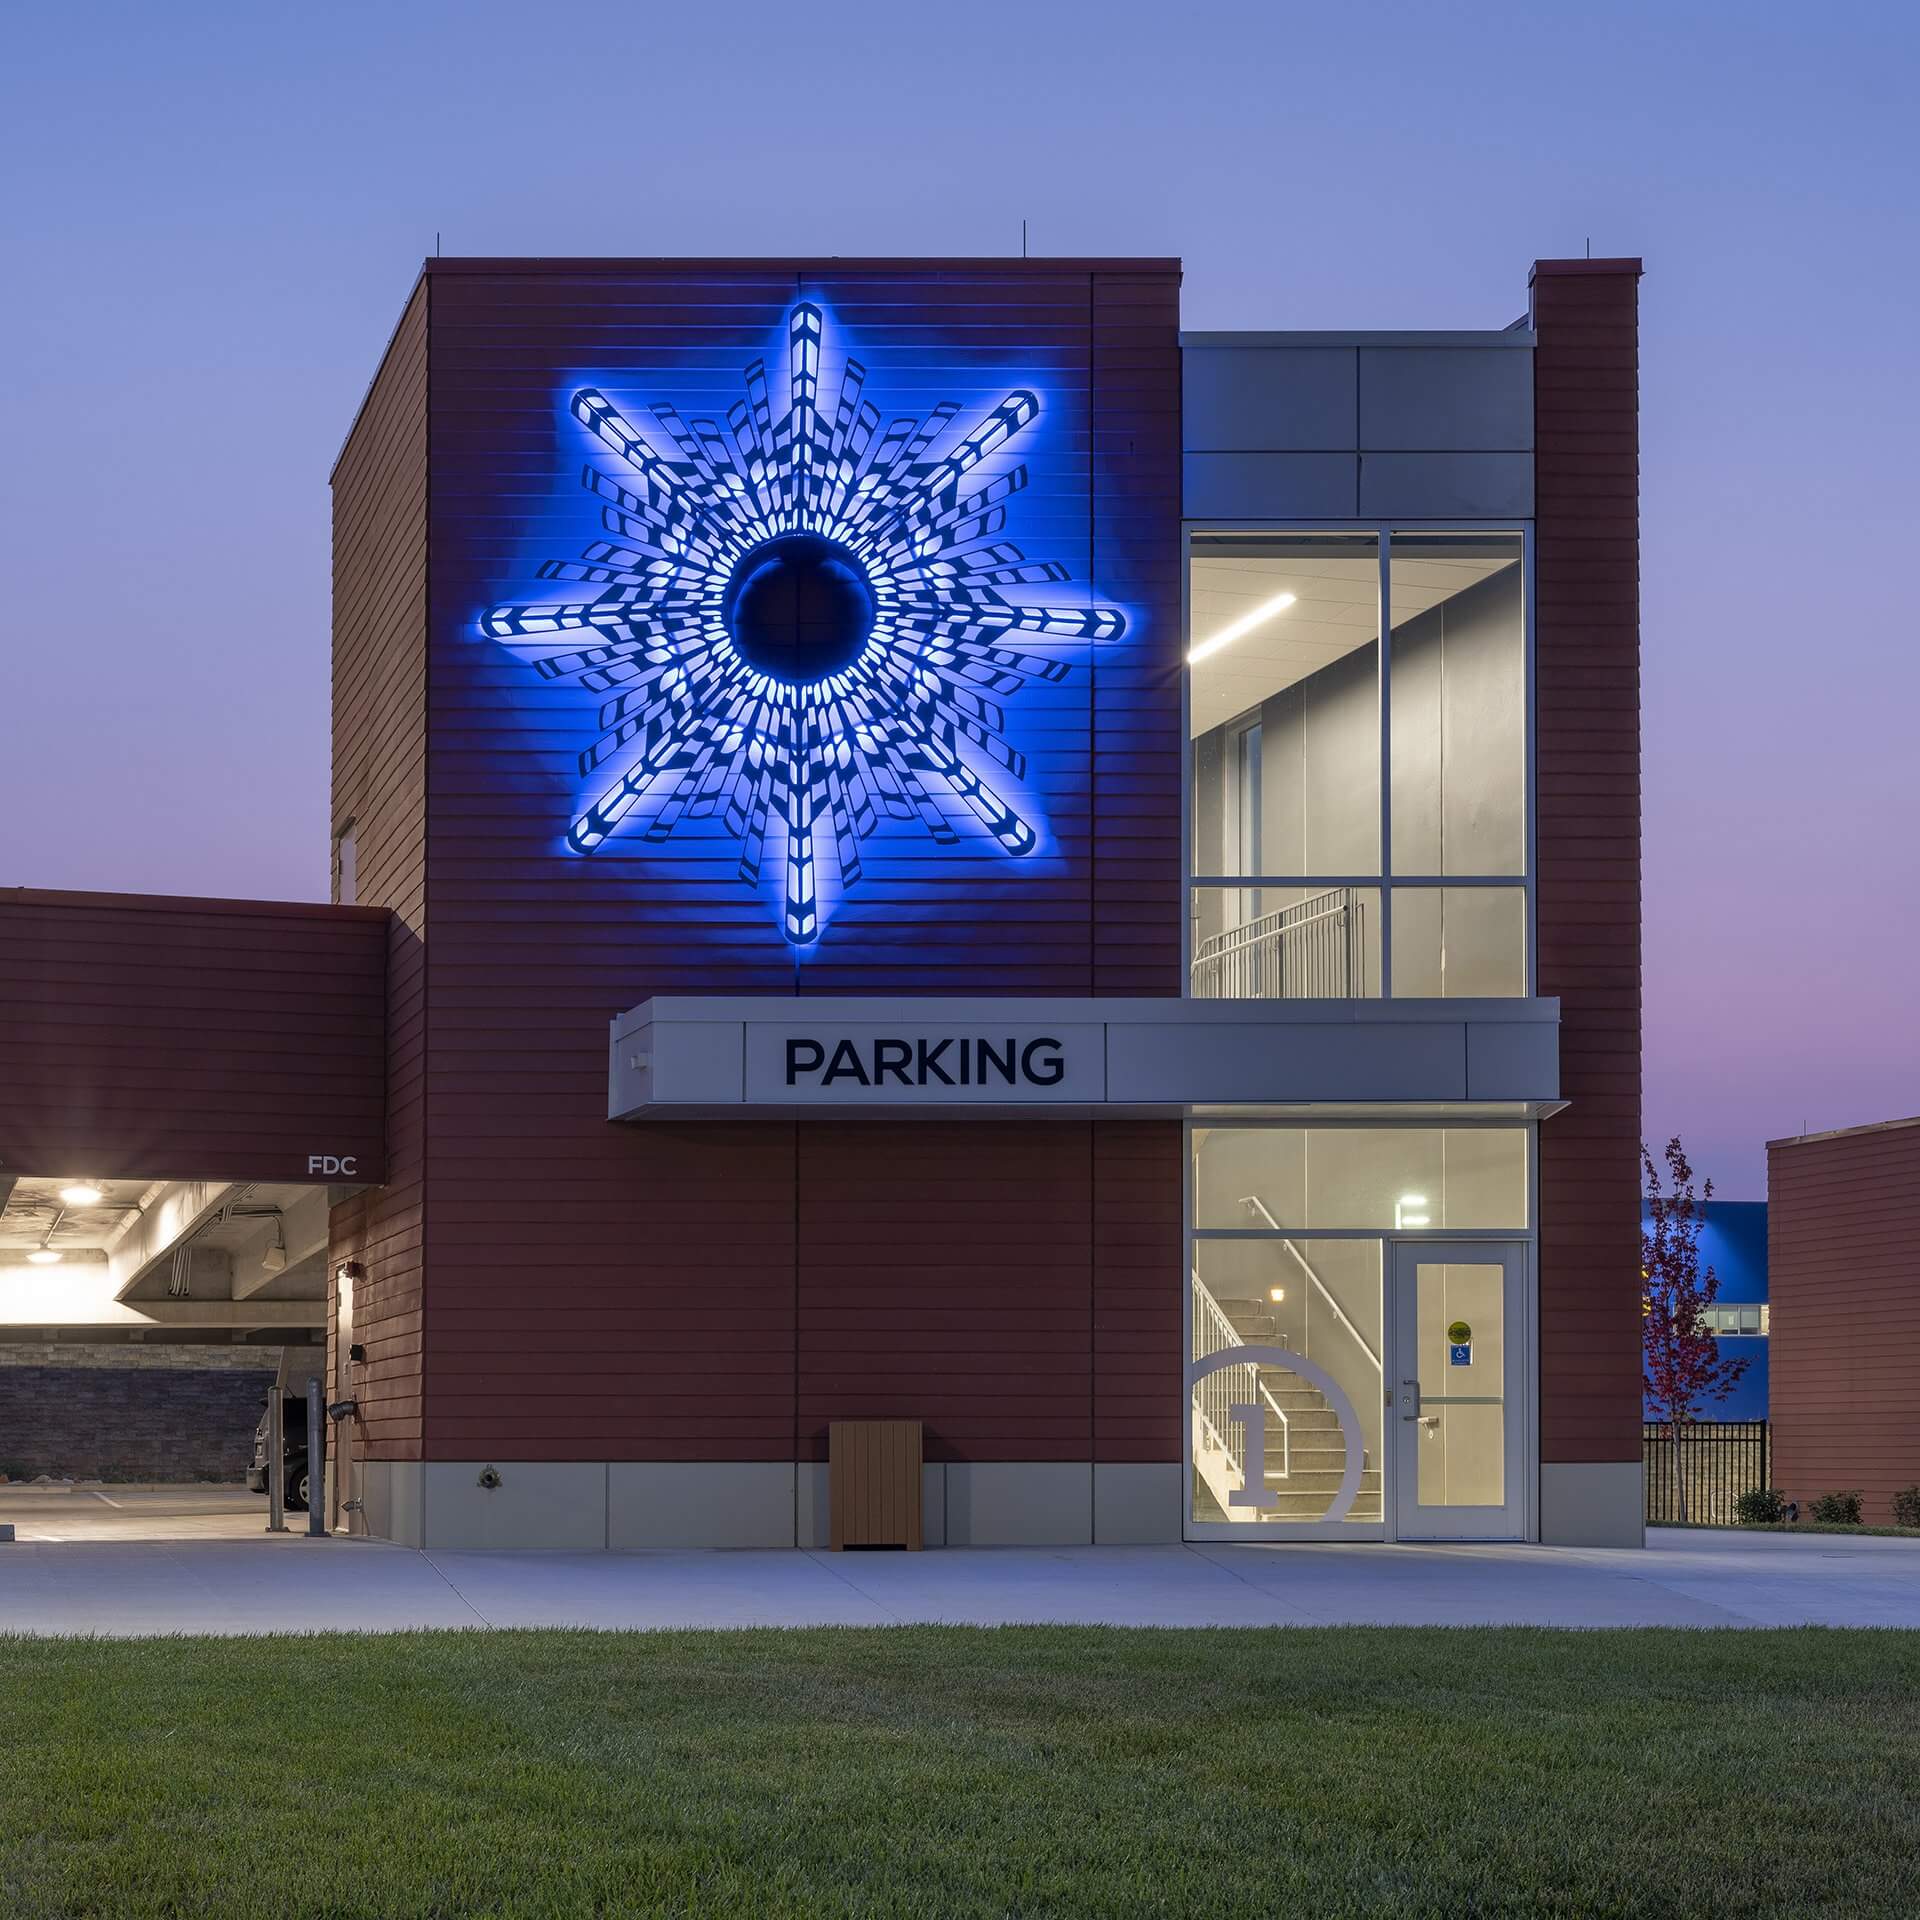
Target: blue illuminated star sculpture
[{"x": 801, "y": 621}]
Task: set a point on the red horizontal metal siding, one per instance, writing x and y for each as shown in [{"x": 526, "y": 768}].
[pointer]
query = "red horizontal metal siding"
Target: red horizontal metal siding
[
  {"x": 722, "y": 1292},
  {"x": 1136, "y": 746},
  {"x": 601, "y": 1292},
  {"x": 1139, "y": 1290},
  {"x": 189, "y": 1039},
  {"x": 946, "y": 1274},
  {"x": 379, "y": 786},
  {"x": 1843, "y": 1279},
  {"x": 1587, "y": 695}
]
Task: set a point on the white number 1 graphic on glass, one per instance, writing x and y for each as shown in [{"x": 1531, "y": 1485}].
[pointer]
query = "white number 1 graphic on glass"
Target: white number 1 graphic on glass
[{"x": 1254, "y": 1492}]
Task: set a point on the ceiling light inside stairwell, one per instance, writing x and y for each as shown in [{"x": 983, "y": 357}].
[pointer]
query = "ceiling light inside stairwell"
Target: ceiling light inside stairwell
[
  {"x": 44, "y": 1257},
  {"x": 1235, "y": 629},
  {"x": 83, "y": 1193},
  {"x": 1404, "y": 1214},
  {"x": 1276, "y": 1294}
]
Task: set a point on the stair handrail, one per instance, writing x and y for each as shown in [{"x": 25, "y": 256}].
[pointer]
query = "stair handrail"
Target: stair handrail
[
  {"x": 1310, "y": 950},
  {"x": 1255, "y": 1204},
  {"x": 1222, "y": 1334}
]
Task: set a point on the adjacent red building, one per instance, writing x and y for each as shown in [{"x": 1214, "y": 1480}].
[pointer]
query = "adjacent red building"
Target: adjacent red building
[{"x": 1844, "y": 1273}]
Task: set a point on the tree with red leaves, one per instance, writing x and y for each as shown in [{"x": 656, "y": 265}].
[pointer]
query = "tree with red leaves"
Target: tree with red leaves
[{"x": 1684, "y": 1365}]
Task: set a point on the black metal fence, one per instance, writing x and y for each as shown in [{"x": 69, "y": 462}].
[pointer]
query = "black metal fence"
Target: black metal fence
[{"x": 1722, "y": 1459}]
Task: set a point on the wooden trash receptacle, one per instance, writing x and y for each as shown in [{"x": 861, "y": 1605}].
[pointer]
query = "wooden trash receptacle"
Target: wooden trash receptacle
[{"x": 873, "y": 1483}]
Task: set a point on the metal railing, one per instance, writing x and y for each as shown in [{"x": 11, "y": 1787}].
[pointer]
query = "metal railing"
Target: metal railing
[
  {"x": 1313, "y": 950},
  {"x": 1228, "y": 1387},
  {"x": 1722, "y": 1459},
  {"x": 1255, "y": 1205}
]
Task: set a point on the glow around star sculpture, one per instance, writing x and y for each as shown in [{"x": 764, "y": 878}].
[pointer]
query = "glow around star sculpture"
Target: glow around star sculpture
[{"x": 802, "y": 622}]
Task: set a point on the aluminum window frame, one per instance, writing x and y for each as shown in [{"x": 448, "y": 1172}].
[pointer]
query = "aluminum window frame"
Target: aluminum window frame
[
  {"x": 1526, "y": 1468},
  {"x": 1385, "y": 880}
]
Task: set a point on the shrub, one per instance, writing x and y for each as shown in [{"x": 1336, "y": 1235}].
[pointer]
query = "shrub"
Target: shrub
[
  {"x": 1761, "y": 1507},
  {"x": 1906, "y": 1507},
  {"x": 1836, "y": 1509}
]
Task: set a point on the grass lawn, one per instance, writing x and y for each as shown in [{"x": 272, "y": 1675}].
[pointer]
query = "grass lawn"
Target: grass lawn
[{"x": 957, "y": 1771}]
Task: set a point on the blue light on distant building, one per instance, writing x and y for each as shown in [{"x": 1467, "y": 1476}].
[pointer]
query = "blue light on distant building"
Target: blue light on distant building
[
  {"x": 805, "y": 623},
  {"x": 1733, "y": 1243}
]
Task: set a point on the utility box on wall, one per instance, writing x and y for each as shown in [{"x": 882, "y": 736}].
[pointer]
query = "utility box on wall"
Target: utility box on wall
[{"x": 873, "y": 1483}]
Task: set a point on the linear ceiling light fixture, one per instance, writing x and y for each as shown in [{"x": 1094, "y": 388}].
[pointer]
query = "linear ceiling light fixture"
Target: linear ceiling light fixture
[{"x": 1235, "y": 629}]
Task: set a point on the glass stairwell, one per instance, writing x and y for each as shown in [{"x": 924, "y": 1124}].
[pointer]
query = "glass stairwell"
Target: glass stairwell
[{"x": 1304, "y": 1450}]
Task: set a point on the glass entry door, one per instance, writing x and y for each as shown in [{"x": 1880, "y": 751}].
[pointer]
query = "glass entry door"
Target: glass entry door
[{"x": 1456, "y": 1391}]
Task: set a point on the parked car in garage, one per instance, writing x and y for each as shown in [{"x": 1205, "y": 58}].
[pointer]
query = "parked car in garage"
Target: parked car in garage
[
  {"x": 294, "y": 1440},
  {"x": 297, "y": 1366}
]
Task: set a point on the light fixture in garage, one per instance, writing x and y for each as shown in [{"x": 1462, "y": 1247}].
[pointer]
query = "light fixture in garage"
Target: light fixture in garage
[{"x": 83, "y": 1193}]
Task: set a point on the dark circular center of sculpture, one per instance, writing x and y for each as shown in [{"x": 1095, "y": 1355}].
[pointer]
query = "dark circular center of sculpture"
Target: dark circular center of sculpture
[{"x": 799, "y": 607}]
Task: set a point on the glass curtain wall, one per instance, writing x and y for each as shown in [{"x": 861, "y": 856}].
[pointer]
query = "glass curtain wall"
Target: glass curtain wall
[
  {"x": 1359, "y": 812},
  {"x": 1288, "y": 1310}
]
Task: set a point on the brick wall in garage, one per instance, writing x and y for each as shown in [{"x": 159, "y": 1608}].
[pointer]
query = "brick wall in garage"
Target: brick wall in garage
[{"x": 115, "y": 1412}]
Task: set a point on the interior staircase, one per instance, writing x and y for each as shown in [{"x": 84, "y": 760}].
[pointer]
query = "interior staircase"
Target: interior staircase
[
  {"x": 1305, "y": 1457},
  {"x": 1318, "y": 1456}
]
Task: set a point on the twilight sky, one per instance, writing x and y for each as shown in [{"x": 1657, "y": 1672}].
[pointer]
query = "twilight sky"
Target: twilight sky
[{"x": 211, "y": 215}]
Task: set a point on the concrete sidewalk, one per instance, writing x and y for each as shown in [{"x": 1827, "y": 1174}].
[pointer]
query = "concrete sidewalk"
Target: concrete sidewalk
[{"x": 291, "y": 1584}]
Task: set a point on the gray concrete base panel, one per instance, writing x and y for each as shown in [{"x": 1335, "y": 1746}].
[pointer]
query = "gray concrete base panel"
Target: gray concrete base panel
[
  {"x": 1592, "y": 1504},
  {"x": 407, "y": 1521},
  {"x": 700, "y": 1503},
  {"x": 1136, "y": 1506},
  {"x": 1019, "y": 1503},
  {"x": 550, "y": 1506},
  {"x": 376, "y": 1500},
  {"x": 585, "y": 1506}
]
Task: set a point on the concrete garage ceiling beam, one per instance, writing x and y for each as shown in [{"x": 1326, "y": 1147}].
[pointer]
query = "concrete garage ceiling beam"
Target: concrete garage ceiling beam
[
  {"x": 72, "y": 1313},
  {"x": 181, "y": 1210},
  {"x": 302, "y": 1239},
  {"x": 246, "y": 1241},
  {"x": 228, "y": 1313},
  {"x": 215, "y": 1318}
]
